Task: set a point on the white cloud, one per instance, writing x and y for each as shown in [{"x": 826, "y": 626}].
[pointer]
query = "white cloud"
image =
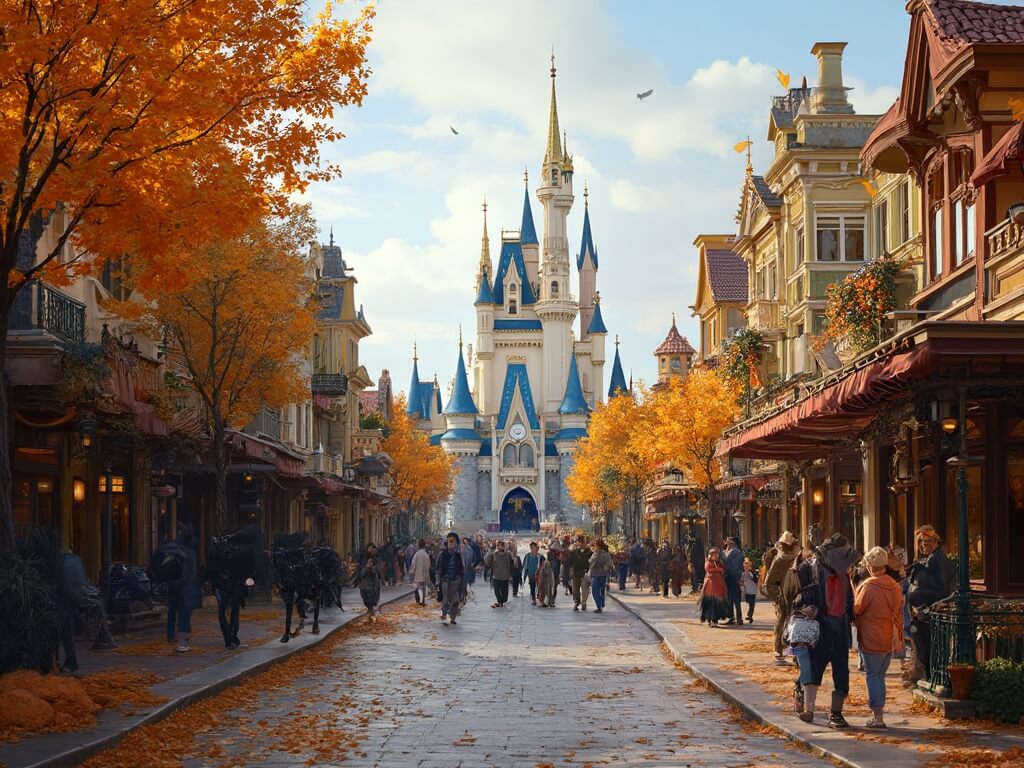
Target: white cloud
[
  {"x": 871, "y": 101},
  {"x": 411, "y": 164},
  {"x": 627, "y": 196}
]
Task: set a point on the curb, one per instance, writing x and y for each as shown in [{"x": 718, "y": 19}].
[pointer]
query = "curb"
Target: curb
[
  {"x": 76, "y": 755},
  {"x": 750, "y": 712}
]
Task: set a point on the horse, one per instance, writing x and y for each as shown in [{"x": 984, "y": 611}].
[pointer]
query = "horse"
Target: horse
[
  {"x": 231, "y": 562},
  {"x": 297, "y": 579},
  {"x": 332, "y": 576}
]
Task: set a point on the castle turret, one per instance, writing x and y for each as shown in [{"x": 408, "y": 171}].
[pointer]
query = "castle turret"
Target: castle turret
[
  {"x": 674, "y": 354},
  {"x": 573, "y": 415},
  {"x": 556, "y": 308},
  {"x": 462, "y": 441},
  {"x": 617, "y": 385},
  {"x": 528, "y": 238},
  {"x": 597, "y": 335},
  {"x": 484, "y": 299},
  {"x": 586, "y": 263}
]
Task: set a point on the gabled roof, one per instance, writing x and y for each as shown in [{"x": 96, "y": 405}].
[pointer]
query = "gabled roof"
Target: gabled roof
[
  {"x": 674, "y": 343},
  {"x": 617, "y": 385},
  {"x": 527, "y": 232},
  {"x": 461, "y": 401},
  {"x": 596, "y": 321},
  {"x": 587, "y": 245},
  {"x": 955, "y": 24},
  {"x": 516, "y": 378},
  {"x": 485, "y": 295},
  {"x": 727, "y": 276},
  {"x": 574, "y": 401},
  {"x": 764, "y": 192},
  {"x": 512, "y": 257}
]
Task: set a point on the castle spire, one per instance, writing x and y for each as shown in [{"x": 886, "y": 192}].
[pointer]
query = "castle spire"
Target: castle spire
[
  {"x": 527, "y": 231},
  {"x": 461, "y": 401},
  {"x": 414, "y": 405},
  {"x": 485, "y": 246},
  {"x": 554, "y": 150},
  {"x": 618, "y": 384}
]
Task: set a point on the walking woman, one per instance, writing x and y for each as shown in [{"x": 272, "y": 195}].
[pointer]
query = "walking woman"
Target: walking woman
[
  {"x": 531, "y": 564},
  {"x": 547, "y": 587},
  {"x": 370, "y": 581},
  {"x": 622, "y": 567},
  {"x": 878, "y": 613},
  {"x": 677, "y": 570},
  {"x": 714, "y": 598}
]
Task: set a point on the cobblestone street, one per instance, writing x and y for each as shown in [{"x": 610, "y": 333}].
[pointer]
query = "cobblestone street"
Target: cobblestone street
[{"x": 525, "y": 686}]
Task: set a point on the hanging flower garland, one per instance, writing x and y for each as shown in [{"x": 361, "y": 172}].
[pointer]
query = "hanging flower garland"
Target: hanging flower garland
[
  {"x": 742, "y": 356},
  {"x": 856, "y": 307}
]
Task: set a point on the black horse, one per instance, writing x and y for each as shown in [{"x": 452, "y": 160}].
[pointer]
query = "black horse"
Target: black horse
[
  {"x": 297, "y": 579},
  {"x": 331, "y": 576},
  {"x": 231, "y": 562}
]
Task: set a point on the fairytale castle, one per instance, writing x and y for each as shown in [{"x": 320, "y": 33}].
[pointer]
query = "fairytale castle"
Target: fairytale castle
[{"x": 513, "y": 419}]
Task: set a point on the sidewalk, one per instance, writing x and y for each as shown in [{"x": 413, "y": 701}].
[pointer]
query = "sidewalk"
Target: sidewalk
[
  {"x": 178, "y": 679},
  {"x": 737, "y": 662}
]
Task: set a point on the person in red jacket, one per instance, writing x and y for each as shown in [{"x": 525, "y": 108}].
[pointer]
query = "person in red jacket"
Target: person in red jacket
[{"x": 714, "y": 597}]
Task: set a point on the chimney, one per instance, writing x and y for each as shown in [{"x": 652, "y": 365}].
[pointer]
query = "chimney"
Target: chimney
[{"x": 830, "y": 95}]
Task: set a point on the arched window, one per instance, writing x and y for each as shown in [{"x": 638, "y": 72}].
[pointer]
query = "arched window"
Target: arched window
[
  {"x": 554, "y": 176},
  {"x": 508, "y": 456},
  {"x": 526, "y": 456},
  {"x": 554, "y": 289},
  {"x": 512, "y": 288},
  {"x": 512, "y": 307}
]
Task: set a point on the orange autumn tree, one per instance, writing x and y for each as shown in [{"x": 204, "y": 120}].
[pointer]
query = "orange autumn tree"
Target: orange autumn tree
[
  {"x": 137, "y": 128},
  {"x": 243, "y": 326},
  {"x": 616, "y": 460},
  {"x": 421, "y": 474},
  {"x": 689, "y": 416}
]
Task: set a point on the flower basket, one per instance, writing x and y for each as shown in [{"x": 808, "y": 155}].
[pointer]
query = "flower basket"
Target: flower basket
[{"x": 961, "y": 677}]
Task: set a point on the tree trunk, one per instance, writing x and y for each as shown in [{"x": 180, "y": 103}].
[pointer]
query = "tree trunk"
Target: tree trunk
[
  {"x": 220, "y": 452},
  {"x": 6, "y": 452}
]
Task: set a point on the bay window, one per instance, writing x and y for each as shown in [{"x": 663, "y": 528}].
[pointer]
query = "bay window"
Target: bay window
[{"x": 840, "y": 238}]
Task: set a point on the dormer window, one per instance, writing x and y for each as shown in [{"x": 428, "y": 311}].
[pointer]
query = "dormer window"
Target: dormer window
[{"x": 554, "y": 289}]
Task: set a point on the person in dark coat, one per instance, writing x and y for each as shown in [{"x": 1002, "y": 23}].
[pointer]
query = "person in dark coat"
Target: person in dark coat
[
  {"x": 664, "y": 571},
  {"x": 369, "y": 581},
  {"x": 733, "y": 562},
  {"x": 637, "y": 564},
  {"x": 450, "y": 572},
  {"x": 695, "y": 554},
  {"x": 182, "y": 591},
  {"x": 825, "y": 584},
  {"x": 71, "y": 582},
  {"x": 932, "y": 578}
]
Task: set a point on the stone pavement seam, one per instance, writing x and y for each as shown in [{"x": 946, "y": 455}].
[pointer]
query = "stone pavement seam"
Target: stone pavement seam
[
  {"x": 695, "y": 669},
  {"x": 76, "y": 755}
]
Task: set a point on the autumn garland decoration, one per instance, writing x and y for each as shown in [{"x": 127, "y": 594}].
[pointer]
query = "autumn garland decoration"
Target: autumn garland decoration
[
  {"x": 856, "y": 306},
  {"x": 742, "y": 356}
]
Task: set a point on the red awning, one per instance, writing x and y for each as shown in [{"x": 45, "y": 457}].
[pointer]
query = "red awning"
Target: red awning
[
  {"x": 804, "y": 430},
  {"x": 1001, "y": 160},
  {"x": 249, "y": 447}
]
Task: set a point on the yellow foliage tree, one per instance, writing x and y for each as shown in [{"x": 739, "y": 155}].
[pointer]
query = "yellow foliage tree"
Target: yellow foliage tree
[
  {"x": 242, "y": 326},
  {"x": 421, "y": 474},
  {"x": 616, "y": 460},
  {"x": 689, "y": 416}
]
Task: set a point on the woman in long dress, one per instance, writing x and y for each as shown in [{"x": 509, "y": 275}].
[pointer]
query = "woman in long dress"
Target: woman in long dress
[{"x": 714, "y": 597}]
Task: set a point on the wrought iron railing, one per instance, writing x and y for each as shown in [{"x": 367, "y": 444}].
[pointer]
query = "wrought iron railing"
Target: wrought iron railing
[
  {"x": 40, "y": 306},
  {"x": 993, "y": 628},
  {"x": 267, "y": 422}
]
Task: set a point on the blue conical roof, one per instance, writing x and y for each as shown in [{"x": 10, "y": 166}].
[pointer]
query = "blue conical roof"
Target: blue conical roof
[
  {"x": 485, "y": 294},
  {"x": 461, "y": 402},
  {"x": 574, "y": 401},
  {"x": 415, "y": 404},
  {"x": 528, "y": 232},
  {"x": 597, "y": 322},
  {"x": 617, "y": 385},
  {"x": 587, "y": 245}
]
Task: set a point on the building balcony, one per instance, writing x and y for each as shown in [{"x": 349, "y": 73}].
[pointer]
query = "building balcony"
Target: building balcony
[
  {"x": 266, "y": 423},
  {"x": 328, "y": 463},
  {"x": 763, "y": 315},
  {"x": 39, "y": 307},
  {"x": 1004, "y": 269}
]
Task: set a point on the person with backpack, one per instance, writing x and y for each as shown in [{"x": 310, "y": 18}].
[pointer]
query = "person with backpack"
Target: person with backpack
[
  {"x": 179, "y": 569},
  {"x": 825, "y": 584}
]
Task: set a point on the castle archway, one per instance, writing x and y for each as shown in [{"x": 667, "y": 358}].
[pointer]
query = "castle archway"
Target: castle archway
[{"x": 519, "y": 512}]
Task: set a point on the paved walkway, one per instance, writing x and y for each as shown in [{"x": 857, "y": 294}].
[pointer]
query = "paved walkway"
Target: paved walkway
[
  {"x": 181, "y": 678},
  {"x": 737, "y": 661},
  {"x": 518, "y": 687}
]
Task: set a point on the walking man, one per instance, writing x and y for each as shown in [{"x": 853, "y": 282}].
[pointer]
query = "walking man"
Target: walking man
[
  {"x": 450, "y": 570},
  {"x": 733, "y": 562},
  {"x": 419, "y": 572},
  {"x": 695, "y": 553},
  {"x": 531, "y": 564},
  {"x": 781, "y": 567},
  {"x": 636, "y": 561},
  {"x": 499, "y": 563},
  {"x": 370, "y": 581},
  {"x": 580, "y": 563},
  {"x": 601, "y": 567}
]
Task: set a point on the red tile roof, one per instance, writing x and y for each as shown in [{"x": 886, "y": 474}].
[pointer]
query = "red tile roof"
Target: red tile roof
[
  {"x": 958, "y": 23},
  {"x": 727, "y": 274},
  {"x": 674, "y": 344}
]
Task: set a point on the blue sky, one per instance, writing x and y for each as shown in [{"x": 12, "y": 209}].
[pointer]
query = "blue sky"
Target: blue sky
[{"x": 407, "y": 210}]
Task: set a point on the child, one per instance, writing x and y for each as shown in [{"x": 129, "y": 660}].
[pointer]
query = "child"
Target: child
[
  {"x": 748, "y": 582},
  {"x": 802, "y": 633},
  {"x": 714, "y": 601}
]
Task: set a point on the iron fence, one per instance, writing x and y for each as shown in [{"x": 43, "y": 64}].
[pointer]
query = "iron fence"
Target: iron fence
[
  {"x": 38, "y": 306},
  {"x": 992, "y": 628}
]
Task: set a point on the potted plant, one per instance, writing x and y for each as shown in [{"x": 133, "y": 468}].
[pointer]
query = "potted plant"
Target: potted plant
[{"x": 961, "y": 676}]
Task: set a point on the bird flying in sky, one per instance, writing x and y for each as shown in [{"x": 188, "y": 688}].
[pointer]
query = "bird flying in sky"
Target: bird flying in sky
[
  {"x": 645, "y": 94},
  {"x": 454, "y": 131}
]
